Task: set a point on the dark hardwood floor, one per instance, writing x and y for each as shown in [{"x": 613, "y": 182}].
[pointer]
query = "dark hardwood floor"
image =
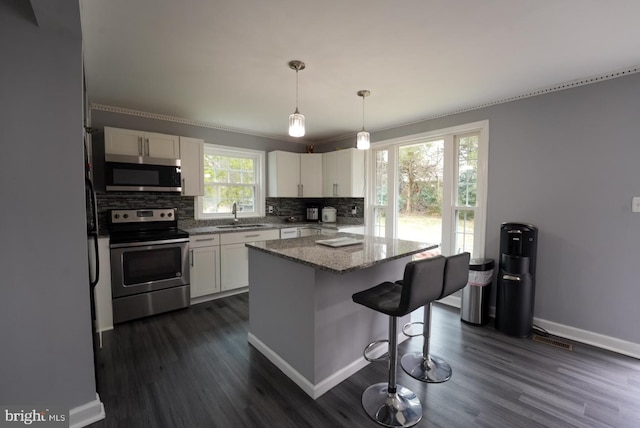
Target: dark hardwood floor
[{"x": 194, "y": 368}]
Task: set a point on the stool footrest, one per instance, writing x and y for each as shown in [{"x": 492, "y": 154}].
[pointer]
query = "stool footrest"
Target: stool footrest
[
  {"x": 409, "y": 325},
  {"x": 382, "y": 357}
]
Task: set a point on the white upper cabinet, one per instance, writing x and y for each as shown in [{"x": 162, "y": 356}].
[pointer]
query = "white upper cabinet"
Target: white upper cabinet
[
  {"x": 138, "y": 143},
  {"x": 311, "y": 175},
  {"x": 192, "y": 166},
  {"x": 293, "y": 175},
  {"x": 343, "y": 173}
]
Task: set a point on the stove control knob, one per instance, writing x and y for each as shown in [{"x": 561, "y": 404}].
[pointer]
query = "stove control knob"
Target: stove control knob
[
  {"x": 169, "y": 214},
  {"x": 116, "y": 216},
  {"x": 125, "y": 215},
  {"x": 161, "y": 214}
]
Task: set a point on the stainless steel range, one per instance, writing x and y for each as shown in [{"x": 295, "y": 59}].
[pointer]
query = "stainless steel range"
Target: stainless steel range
[{"x": 149, "y": 263}]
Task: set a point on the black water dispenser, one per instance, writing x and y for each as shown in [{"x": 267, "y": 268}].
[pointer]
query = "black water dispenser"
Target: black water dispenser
[{"x": 516, "y": 279}]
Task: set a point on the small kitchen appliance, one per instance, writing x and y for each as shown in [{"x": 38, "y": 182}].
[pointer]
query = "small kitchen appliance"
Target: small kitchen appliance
[
  {"x": 328, "y": 215},
  {"x": 312, "y": 213}
]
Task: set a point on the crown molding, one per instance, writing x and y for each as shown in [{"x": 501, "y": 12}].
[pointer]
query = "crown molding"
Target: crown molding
[
  {"x": 560, "y": 87},
  {"x": 555, "y": 88}
]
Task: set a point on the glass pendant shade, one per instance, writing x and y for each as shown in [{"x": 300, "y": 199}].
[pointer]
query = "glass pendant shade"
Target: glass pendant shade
[
  {"x": 296, "y": 124},
  {"x": 362, "y": 140}
]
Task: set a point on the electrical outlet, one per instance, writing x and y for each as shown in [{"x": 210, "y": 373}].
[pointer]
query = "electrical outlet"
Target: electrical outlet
[
  {"x": 270, "y": 209},
  {"x": 354, "y": 210},
  {"x": 635, "y": 204}
]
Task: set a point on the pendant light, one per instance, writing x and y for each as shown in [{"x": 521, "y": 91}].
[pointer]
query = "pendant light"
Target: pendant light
[
  {"x": 296, "y": 120},
  {"x": 363, "y": 141}
]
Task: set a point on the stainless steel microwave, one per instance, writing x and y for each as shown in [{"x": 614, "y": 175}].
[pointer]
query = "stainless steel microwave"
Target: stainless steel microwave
[{"x": 132, "y": 174}]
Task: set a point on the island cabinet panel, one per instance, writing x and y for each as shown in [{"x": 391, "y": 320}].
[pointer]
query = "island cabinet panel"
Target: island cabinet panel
[
  {"x": 306, "y": 318},
  {"x": 301, "y": 314}
]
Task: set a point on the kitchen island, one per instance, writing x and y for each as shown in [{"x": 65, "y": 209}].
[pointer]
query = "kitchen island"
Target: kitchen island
[{"x": 301, "y": 316}]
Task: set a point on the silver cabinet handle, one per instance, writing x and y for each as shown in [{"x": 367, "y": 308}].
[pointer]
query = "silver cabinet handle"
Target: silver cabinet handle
[
  {"x": 335, "y": 189},
  {"x": 252, "y": 236},
  {"x": 300, "y": 190},
  {"x": 140, "y": 146},
  {"x": 204, "y": 239},
  {"x": 191, "y": 257},
  {"x": 147, "y": 145},
  {"x": 511, "y": 278}
]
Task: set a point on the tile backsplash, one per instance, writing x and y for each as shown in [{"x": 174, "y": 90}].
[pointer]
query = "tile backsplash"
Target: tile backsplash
[{"x": 282, "y": 207}]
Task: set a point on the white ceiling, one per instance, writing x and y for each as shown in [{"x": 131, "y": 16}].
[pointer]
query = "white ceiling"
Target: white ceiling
[{"x": 224, "y": 62}]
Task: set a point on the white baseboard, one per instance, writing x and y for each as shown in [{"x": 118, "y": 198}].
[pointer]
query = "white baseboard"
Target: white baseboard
[
  {"x": 87, "y": 413},
  {"x": 590, "y": 338},
  {"x": 313, "y": 390},
  {"x": 598, "y": 340},
  {"x": 216, "y": 296}
]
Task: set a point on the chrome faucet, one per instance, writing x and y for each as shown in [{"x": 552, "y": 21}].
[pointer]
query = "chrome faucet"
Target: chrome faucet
[{"x": 234, "y": 210}]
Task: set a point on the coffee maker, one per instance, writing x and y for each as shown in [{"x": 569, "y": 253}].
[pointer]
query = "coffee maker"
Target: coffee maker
[{"x": 312, "y": 213}]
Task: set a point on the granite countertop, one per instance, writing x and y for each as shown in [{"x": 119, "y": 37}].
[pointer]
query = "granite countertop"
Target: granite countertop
[
  {"x": 243, "y": 227},
  {"x": 371, "y": 251}
]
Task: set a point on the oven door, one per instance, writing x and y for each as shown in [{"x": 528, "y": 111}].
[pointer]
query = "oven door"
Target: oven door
[{"x": 148, "y": 266}]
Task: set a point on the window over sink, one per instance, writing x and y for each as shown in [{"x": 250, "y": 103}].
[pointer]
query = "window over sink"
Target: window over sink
[{"x": 231, "y": 175}]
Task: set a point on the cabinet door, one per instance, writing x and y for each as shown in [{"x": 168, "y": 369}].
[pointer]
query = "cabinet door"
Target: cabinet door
[
  {"x": 343, "y": 172},
  {"x": 311, "y": 175},
  {"x": 329, "y": 174},
  {"x": 205, "y": 262},
  {"x": 123, "y": 142},
  {"x": 192, "y": 165},
  {"x": 284, "y": 174},
  {"x": 234, "y": 266},
  {"x": 162, "y": 146},
  {"x": 289, "y": 233}
]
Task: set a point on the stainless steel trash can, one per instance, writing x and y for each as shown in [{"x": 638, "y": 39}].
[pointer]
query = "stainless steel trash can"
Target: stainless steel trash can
[{"x": 475, "y": 296}]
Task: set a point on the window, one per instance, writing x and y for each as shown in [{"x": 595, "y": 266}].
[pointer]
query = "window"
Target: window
[
  {"x": 231, "y": 175},
  {"x": 431, "y": 187}
]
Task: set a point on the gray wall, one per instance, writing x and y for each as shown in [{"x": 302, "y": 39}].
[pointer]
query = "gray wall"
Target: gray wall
[
  {"x": 46, "y": 350},
  {"x": 567, "y": 163}
]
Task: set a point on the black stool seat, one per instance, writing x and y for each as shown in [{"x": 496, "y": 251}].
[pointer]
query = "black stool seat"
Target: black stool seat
[
  {"x": 424, "y": 366},
  {"x": 390, "y": 404}
]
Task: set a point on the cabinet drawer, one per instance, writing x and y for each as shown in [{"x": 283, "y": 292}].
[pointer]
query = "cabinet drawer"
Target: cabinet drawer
[
  {"x": 204, "y": 240},
  {"x": 249, "y": 236}
]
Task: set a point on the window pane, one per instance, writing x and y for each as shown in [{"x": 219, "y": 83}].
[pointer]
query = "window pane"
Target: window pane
[
  {"x": 420, "y": 191},
  {"x": 379, "y": 221},
  {"x": 381, "y": 184},
  {"x": 467, "y": 170},
  {"x": 464, "y": 231},
  {"x": 229, "y": 178}
]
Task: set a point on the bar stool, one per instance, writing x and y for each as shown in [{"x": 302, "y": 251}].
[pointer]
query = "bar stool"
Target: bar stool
[
  {"x": 422, "y": 365},
  {"x": 390, "y": 404}
]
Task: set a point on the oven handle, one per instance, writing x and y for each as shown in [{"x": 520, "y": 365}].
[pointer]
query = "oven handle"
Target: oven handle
[{"x": 147, "y": 243}]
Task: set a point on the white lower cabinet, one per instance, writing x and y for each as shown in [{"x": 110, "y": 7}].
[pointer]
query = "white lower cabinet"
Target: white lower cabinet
[
  {"x": 204, "y": 254},
  {"x": 234, "y": 256},
  {"x": 234, "y": 260}
]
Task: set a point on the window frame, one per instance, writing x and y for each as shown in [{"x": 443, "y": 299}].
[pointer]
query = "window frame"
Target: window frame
[
  {"x": 449, "y": 135},
  {"x": 260, "y": 181}
]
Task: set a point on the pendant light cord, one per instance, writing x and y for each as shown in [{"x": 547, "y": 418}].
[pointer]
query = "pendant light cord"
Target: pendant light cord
[
  {"x": 297, "y": 90},
  {"x": 363, "y": 112}
]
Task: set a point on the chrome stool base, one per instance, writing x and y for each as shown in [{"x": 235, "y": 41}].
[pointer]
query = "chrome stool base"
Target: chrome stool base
[
  {"x": 431, "y": 370},
  {"x": 399, "y": 409}
]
